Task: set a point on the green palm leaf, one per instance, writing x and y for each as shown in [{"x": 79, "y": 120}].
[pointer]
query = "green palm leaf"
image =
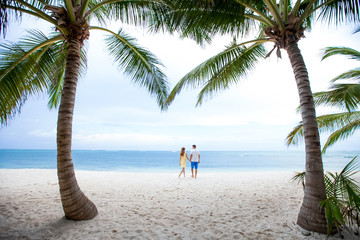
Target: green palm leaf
[
  {"x": 331, "y": 188},
  {"x": 97, "y": 12},
  {"x": 201, "y": 20},
  {"x": 340, "y": 11},
  {"x": 348, "y": 52},
  {"x": 224, "y": 75},
  {"x": 139, "y": 64},
  {"x": 295, "y": 136},
  {"x": 353, "y": 74},
  {"x": 342, "y": 96},
  {"x": 35, "y": 65},
  {"x": 27, "y": 68},
  {"x": 349, "y": 187},
  {"x": 350, "y": 169},
  {"x": 134, "y": 12},
  {"x": 344, "y": 125},
  {"x": 332, "y": 213},
  {"x": 329, "y": 122},
  {"x": 343, "y": 132},
  {"x": 299, "y": 177},
  {"x": 221, "y": 71}
]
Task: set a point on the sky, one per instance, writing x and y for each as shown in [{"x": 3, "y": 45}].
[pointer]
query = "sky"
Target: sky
[{"x": 112, "y": 113}]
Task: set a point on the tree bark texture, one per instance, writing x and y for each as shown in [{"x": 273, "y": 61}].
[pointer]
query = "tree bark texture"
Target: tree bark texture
[
  {"x": 75, "y": 204},
  {"x": 310, "y": 217}
]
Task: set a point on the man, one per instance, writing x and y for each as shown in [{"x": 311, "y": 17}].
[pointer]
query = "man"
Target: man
[{"x": 195, "y": 160}]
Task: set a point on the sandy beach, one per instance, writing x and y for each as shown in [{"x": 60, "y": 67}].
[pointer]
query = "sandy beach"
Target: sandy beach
[{"x": 236, "y": 205}]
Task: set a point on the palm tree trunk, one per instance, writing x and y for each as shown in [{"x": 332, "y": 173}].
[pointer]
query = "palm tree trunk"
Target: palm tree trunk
[
  {"x": 75, "y": 204},
  {"x": 310, "y": 217}
]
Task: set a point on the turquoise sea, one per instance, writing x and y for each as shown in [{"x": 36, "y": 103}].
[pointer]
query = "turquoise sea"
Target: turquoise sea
[{"x": 163, "y": 161}]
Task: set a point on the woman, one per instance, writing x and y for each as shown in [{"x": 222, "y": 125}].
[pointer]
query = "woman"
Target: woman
[{"x": 183, "y": 157}]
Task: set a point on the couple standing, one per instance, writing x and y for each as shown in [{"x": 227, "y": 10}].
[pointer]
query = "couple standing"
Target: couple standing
[{"x": 194, "y": 159}]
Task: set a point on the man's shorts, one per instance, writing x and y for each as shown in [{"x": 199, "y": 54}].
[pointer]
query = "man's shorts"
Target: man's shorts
[{"x": 194, "y": 165}]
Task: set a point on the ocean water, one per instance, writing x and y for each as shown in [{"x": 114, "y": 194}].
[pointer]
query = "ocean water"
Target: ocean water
[{"x": 164, "y": 161}]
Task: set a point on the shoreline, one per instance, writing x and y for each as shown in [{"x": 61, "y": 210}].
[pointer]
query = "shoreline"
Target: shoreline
[
  {"x": 236, "y": 205},
  {"x": 165, "y": 161}
]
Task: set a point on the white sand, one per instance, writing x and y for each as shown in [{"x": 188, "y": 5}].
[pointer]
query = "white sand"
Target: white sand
[{"x": 244, "y": 205}]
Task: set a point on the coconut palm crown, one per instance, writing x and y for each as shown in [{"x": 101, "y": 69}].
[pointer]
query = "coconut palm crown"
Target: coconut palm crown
[
  {"x": 281, "y": 24},
  {"x": 51, "y": 63},
  {"x": 345, "y": 96}
]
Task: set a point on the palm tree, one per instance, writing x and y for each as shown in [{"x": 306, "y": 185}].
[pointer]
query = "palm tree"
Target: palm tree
[
  {"x": 281, "y": 23},
  {"x": 345, "y": 96},
  {"x": 52, "y": 64}
]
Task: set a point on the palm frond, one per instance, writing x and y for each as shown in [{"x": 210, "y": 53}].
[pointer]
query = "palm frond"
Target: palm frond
[
  {"x": 32, "y": 8},
  {"x": 330, "y": 185},
  {"x": 27, "y": 68},
  {"x": 353, "y": 195},
  {"x": 349, "y": 75},
  {"x": 339, "y": 11},
  {"x": 97, "y": 13},
  {"x": 223, "y": 77},
  {"x": 342, "y": 133},
  {"x": 220, "y": 71},
  {"x": 350, "y": 189},
  {"x": 329, "y": 122},
  {"x": 350, "y": 169},
  {"x": 201, "y": 20},
  {"x": 305, "y": 10},
  {"x": 300, "y": 178},
  {"x": 343, "y": 96},
  {"x": 134, "y": 12},
  {"x": 41, "y": 4},
  {"x": 332, "y": 213},
  {"x": 344, "y": 193},
  {"x": 344, "y": 51},
  {"x": 142, "y": 66},
  {"x": 344, "y": 124},
  {"x": 295, "y": 136}
]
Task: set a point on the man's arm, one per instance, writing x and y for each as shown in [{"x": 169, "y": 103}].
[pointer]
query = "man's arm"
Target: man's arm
[
  {"x": 199, "y": 157},
  {"x": 190, "y": 157}
]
